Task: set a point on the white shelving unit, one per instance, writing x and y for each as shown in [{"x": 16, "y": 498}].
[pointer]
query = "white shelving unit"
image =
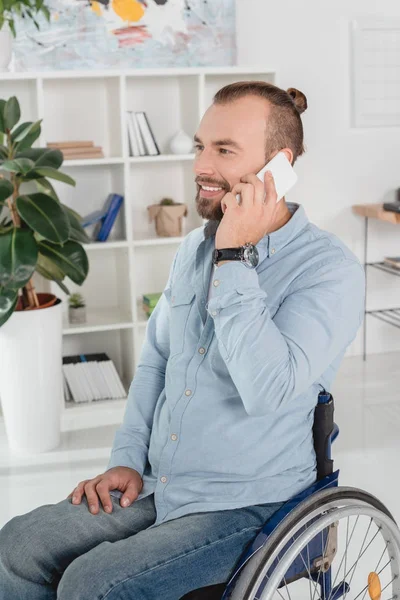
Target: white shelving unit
[{"x": 92, "y": 106}]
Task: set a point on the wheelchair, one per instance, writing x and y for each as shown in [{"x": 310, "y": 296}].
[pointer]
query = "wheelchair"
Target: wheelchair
[{"x": 328, "y": 542}]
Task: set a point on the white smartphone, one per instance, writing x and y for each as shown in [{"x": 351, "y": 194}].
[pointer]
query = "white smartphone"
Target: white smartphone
[{"x": 283, "y": 173}]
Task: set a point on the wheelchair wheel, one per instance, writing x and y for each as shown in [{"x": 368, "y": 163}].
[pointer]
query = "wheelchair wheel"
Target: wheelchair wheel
[{"x": 338, "y": 543}]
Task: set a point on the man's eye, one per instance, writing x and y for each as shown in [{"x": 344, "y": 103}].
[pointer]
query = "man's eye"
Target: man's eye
[
  {"x": 224, "y": 151},
  {"x": 198, "y": 147}
]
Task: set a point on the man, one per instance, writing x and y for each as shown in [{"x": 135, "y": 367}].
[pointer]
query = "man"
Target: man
[{"x": 218, "y": 427}]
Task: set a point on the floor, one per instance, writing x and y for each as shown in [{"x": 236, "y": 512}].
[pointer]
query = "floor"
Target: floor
[{"x": 367, "y": 451}]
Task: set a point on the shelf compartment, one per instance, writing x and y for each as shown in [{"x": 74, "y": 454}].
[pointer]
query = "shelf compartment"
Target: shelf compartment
[
  {"x": 26, "y": 92},
  {"x": 390, "y": 316},
  {"x": 117, "y": 344},
  {"x": 382, "y": 266},
  {"x": 106, "y": 291},
  {"x": 179, "y": 108},
  {"x": 91, "y": 191},
  {"x": 97, "y": 98},
  {"x": 150, "y": 183}
]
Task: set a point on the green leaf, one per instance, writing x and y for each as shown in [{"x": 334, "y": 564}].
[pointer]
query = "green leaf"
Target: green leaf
[
  {"x": 29, "y": 128},
  {"x": 19, "y": 165},
  {"x": 44, "y": 215},
  {"x": 8, "y": 302},
  {"x": 29, "y": 139},
  {"x": 49, "y": 269},
  {"x": 18, "y": 257},
  {"x": 46, "y": 187},
  {"x": 50, "y": 158},
  {"x": 6, "y": 190},
  {"x": 3, "y": 152},
  {"x": 12, "y": 113},
  {"x": 77, "y": 233},
  {"x": 70, "y": 258},
  {"x": 2, "y": 125},
  {"x": 54, "y": 174},
  {"x": 43, "y": 157}
]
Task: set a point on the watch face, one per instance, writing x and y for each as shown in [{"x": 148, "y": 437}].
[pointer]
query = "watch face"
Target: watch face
[{"x": 251, "y": 255}]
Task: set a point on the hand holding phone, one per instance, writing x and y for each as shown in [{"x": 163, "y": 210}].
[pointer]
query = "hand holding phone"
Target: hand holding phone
[{"x": 283, "y": 173}]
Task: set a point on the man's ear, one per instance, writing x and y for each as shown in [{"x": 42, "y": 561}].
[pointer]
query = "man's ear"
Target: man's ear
[{"x": 288, "y": 153}]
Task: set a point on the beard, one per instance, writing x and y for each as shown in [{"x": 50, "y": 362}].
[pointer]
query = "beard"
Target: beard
[{"x": 208, "y": 208}]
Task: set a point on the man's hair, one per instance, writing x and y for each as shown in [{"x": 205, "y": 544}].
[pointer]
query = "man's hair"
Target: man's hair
[{"x": 284, "y": 128}]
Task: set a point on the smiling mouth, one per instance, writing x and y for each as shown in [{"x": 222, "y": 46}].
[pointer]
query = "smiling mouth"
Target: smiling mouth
[{"x": 210, "y": 191}]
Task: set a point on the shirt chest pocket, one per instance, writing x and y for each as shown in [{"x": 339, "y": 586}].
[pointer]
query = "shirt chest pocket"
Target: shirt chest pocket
[{"x": 181, "y": 301}]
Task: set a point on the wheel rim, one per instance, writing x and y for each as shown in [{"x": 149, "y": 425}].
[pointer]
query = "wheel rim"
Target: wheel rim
[{"x": 357, "y": 557}]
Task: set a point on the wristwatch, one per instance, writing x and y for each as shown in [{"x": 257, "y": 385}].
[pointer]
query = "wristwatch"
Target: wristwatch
[{"x": 247, "y": 254}]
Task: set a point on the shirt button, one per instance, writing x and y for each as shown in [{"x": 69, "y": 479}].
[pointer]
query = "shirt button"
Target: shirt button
[
  {"x": 273, "y": 251},
  {"x": 216, "y": 282},
  {"x": 202, "y": 350},
  {"x": 163, "y": 479},
  {"x": 174, "y": 437},
  {"x": 214, "y": 313},
  {"x": 188, "y": 392}
]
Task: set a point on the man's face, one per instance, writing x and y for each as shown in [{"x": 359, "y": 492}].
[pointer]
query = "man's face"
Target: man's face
[{"x": 230, "y": 143}]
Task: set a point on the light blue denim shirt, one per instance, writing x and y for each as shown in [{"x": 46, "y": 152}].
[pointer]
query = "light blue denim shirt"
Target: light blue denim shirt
[{"x": 220, "y": 410}]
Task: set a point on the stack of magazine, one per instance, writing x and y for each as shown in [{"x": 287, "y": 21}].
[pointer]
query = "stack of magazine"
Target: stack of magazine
[
  {"x": 90, "y": 377},
  {"x": 141, "y": 138}
]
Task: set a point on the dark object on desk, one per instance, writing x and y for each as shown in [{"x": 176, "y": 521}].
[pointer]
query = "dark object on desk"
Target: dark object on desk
[{"x": 392, "y": 206}]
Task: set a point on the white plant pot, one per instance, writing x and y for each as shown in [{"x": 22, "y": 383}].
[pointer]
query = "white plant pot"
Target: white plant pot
[
  {"x": 5, "y": 47},
  {"x": 31, "y": 387}
]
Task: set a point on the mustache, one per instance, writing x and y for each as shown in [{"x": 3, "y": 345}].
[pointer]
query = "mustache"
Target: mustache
[{"x": 212, "y": 182}]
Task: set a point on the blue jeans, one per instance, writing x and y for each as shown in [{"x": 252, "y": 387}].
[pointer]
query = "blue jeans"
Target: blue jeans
[{"x": 63, "y": 551}]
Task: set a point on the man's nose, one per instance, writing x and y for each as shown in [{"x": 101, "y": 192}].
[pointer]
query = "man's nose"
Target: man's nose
[{"x": 203, "y": 166}]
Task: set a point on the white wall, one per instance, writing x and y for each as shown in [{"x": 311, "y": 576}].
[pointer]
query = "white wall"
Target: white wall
[{"x": 308, "y": 43}]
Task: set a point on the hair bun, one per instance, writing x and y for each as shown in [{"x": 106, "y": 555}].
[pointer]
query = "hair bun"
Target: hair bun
[{"x": 299, "y": 99}]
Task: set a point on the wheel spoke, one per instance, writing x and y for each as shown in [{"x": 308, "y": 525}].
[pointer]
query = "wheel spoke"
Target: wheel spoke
[{"x": 344, "y": 558}]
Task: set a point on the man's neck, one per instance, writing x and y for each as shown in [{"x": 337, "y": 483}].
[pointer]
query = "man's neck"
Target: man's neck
[{"x": 282, "y": 217}]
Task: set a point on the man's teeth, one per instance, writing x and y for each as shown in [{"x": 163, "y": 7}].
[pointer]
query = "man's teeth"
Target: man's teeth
[{"x": 211, "y": 189}]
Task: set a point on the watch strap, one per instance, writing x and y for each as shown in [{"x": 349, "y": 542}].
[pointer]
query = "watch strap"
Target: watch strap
[{"x": 228, "y": 254}]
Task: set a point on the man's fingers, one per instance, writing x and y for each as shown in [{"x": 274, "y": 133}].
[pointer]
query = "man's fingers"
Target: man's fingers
[
  {"x": 270, "y": 189},
  {"x": 102, "y": 489},
  {"x": 130, "y": 495},
  {"x": 246, "y": 192},
  {"x": 76, "y": 494},
  {"x": 91, "y": 495}
]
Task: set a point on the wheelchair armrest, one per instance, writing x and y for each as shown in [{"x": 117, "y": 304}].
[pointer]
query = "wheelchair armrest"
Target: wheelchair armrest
[{"x": 334, "y": 433}]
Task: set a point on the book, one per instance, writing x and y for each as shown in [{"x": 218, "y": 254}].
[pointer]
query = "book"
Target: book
[
  {"x": 133, "y": 141},
  {"x": 138, "y": 135},
  {"x": 147, "y": 133},
  {"x": 114, "y": 203},
  {"x": 91, "y": 377},
  {"x": 93, "y": 217},
  {"x": 392, "y": 261},
  {"x": 72, "y": 144}
]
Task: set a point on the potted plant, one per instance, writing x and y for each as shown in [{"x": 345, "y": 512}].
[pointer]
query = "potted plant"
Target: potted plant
[
  {"x": 39, "y": 235},
  {"x": 168, "y": 217},
  {"x": 9, "y": 9},
  {"x": 76, "y": 309}
]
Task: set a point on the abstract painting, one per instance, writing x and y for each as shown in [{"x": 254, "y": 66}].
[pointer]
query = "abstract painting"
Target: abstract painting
[{"x": 102, "y": 34}]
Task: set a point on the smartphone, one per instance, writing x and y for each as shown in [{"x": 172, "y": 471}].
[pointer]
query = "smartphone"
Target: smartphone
[{"x": 283, "y": 173}]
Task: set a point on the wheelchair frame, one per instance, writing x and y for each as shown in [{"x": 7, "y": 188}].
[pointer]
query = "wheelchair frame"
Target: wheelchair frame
[{"x": 325, "y": 432}]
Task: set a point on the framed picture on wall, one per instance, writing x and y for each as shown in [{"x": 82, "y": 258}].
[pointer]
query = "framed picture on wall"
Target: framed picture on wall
[{"x": 103, "y": 34}]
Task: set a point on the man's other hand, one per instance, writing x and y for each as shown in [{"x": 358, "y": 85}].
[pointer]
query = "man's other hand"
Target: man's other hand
[{"x": 124, "y": 479}]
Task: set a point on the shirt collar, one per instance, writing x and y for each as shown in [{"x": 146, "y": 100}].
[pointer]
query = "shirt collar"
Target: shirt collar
[{"x": 275, "y": 241}]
